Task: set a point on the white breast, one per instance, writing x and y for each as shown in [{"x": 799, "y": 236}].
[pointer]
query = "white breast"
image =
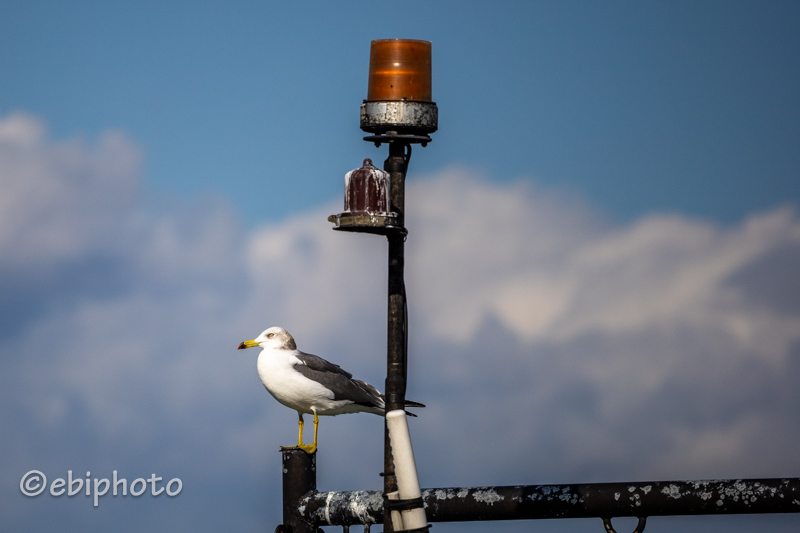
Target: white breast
[{"x": 292, "y": 389}]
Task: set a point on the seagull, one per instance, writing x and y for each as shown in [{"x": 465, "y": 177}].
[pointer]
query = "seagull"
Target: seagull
[{"x": 309, "y": 384}]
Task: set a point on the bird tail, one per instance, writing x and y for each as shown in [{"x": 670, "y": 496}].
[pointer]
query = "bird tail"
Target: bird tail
[
  {"x": 382, "y": 397},
  {"x": 409, "y": 403}
]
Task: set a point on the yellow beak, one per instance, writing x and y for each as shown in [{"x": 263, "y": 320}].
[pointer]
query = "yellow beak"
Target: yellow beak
[{"x": 248, "y": 344}]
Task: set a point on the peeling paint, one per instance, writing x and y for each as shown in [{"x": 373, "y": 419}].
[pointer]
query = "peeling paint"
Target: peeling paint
[
  {"x": 361, "y": 506},
  {"x": 328, "y": 506},
  {"x": 673, "y": 491},
  {"x": 616, "y": 495},
  {"x": 647, "y": 488},
  {"x": 357, "y": 504}
]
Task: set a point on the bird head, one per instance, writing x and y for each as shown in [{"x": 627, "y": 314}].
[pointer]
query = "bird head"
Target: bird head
[{"x": 275, "y": 338}]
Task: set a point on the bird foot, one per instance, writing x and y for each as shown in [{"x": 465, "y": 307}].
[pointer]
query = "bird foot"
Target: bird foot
[{"x": 308, "y": 448}]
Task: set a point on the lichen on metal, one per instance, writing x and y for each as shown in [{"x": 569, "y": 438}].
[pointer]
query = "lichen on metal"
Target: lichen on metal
[
  {"x": 487, "y": 495},
  {"x": 672, "y": 491},
  {"x": 442, "y": 494},
  {"x": 566, "y": 501},
  {"x": 358, "y": 507}
]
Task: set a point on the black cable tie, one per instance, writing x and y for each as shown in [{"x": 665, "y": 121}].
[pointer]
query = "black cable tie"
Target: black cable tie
[
  {"x": 395, "y": 398},
  {"x": 404, "y": 505}
]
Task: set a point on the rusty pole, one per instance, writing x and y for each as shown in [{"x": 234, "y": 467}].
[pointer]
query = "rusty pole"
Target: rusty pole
[{"x": 397, "y": 328}]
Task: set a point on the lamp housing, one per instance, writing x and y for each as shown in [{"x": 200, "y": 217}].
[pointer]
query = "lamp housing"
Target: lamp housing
[
  {"x": 367, "y": 202},
  {"x": 399, "y": 96}
]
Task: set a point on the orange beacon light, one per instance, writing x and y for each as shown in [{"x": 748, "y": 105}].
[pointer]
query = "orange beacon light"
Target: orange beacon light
[{"x": 399, "y": 98}]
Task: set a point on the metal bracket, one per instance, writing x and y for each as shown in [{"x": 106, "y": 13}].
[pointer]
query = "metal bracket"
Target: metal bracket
[
  {"x": 423, "y": 529},
  {"x": 346, "y": 528},
  {"x": 639, "y": 526},
  {"x": 378, "y": 224},
  {"x": 391, "y": 137}
]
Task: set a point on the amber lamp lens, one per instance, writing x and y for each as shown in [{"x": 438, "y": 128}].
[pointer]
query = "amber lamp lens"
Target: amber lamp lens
[{"x": 399, "y": 69}]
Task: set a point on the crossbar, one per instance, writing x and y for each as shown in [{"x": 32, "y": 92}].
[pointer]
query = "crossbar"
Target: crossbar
[{"x": 598, "y": 500}]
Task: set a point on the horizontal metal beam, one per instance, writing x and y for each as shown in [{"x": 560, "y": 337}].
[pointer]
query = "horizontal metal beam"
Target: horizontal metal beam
[{"x": 597, "y": 500}]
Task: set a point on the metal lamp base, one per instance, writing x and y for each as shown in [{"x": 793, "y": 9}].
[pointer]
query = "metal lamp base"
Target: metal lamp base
[{"x": 415, "y": 118}]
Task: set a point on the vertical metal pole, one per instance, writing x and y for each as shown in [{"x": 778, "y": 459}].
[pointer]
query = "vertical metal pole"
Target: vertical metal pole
[
  {"x": 395, "y": 165},
  {"x": 299, "y": 478}
]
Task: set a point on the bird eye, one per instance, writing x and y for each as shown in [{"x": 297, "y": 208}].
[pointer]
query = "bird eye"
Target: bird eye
[{"x": 270, "y": 335}]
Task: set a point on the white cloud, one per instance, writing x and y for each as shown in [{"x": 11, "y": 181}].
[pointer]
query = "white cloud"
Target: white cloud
[
  {"x": 62, "y": 200},
  {"x": 667, "y": 347},
  {"x": 603, "y": 337},
  {"x": 549, "y": 271}
]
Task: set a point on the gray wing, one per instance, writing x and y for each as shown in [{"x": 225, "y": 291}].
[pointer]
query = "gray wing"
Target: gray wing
[
  {"x": 314, "y": 362},
  {"x": 339, "y": 381}
]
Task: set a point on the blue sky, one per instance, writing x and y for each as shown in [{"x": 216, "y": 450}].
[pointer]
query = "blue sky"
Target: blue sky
[
  {"x": 602, "y": 260},
  {"x": 679, "y": 106}
]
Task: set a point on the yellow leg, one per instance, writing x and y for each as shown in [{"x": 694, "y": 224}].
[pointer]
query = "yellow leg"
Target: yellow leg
[
  {"x": 308, "y": 448},
  {"x": 300, "y": 437},
  {"x": 311, "y": 448},
  {"x": 316, "y": 426}
]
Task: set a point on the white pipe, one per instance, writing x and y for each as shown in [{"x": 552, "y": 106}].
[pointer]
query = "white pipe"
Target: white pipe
[
  {"x": 405, "y": 468},
  {"x": 397, "y": 519}
]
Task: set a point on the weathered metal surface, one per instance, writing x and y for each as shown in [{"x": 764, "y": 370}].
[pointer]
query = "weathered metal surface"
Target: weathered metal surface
[
  {"x": 342, "y": 508},
  {"x": 659, "y": 498},
  {"x": 366, "y": 190},
  {"x": 377, "y": 224},
  {"x": 299, "y": 479},
  {"x": 400, "y": 116}
]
